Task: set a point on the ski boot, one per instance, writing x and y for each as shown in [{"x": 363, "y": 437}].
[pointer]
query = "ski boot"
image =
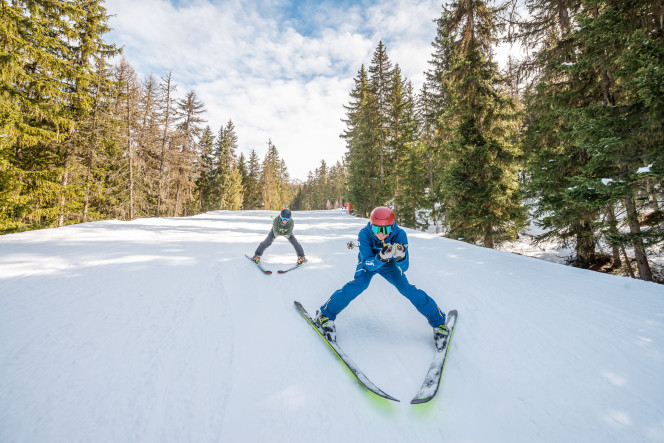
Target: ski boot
[
  {"x": 301, "y": 259},
  {"x": 257, "y": 258},
  {"x": 440, "y": 332},
  {"x": 327, "y": 326}
]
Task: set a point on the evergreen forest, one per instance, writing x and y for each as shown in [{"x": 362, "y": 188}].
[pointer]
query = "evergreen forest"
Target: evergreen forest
[{"x": 570, "y": 133}]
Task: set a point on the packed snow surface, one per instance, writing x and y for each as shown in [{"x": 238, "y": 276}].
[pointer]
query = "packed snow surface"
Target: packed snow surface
[{"x": 160, "y": 330}]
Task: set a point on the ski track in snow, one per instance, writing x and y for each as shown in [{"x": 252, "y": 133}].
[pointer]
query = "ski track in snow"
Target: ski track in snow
[{"x": 160, "y": 330}]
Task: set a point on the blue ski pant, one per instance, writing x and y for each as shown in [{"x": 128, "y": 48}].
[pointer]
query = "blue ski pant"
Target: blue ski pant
[{"x": 390, "y": 272}]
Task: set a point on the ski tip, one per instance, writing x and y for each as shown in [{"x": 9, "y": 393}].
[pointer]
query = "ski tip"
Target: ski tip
[
  {"x": 419, "y": 401},
  {"x": 263, "y": 270}
]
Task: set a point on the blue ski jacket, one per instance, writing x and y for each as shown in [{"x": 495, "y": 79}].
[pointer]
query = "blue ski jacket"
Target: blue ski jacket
[{"x": 370, "y": 246}]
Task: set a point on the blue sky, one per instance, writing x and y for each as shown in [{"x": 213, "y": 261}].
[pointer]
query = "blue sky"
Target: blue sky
[{"x": 281, "y": 70}]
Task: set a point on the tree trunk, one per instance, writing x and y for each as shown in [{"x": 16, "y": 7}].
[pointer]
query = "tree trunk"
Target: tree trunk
[
  {"x": 639, "y": 249},
  {"x": 652, "y": 192},
  {"x": 489, "y": 238},
  {"x": 93, "y": 142},
  {"x": 611, "y": 217},
  {"x": 177, "y": 197},
  {"x": 627, "y": 263},
  {"x": 131, "y": 180},
  {"x": 130, "y": 155},
  {"x": 88, "y": 179},
  {"x": 63, "y": 198},
  {"x": 163, "y": 143},
  {"x": 585, "y": 244}
]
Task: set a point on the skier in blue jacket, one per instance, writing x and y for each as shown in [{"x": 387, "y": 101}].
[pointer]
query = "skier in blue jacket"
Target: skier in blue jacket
[{"x": 383, "y": 250}]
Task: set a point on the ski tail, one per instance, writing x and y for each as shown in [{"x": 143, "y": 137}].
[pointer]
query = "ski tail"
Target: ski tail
[
  {"x": 432, "y": 379},
  {"x": 283, "y": 271},
  {"x": 343, "y": 357}
]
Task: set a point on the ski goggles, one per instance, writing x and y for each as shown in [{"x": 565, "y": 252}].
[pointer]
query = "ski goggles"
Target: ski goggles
[
  {"x": 385, "y": 230},
  {"x": 284, "y": 218}
]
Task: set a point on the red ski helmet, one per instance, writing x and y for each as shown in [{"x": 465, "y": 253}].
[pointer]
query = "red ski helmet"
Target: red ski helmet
[{"x": 382, "y": 216}]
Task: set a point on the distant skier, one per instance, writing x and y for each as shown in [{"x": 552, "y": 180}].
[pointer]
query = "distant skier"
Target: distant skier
[
  {"x": 282, "y": 225},
  {"x": 383, "y": 250}
]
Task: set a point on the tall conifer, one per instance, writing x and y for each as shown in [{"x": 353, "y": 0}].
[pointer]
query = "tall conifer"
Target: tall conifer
[
  {"x": 166, "y": 114},
  {"x": 188, "y": 112},
  {"x": 274, "y": 180},
  {"x": 252, "y": 187},
  {"x": 482, "y": 203},
  {"x": 228, "y": 188},
  {"x": 591, "y": 126},
  {"x": 381, "y": 76},
  {"x": 362, "y": 142},
  {"x": 46, "y": 74},
  {"x": 407, "y": 178},
  {"x": 206, "y": 167}
]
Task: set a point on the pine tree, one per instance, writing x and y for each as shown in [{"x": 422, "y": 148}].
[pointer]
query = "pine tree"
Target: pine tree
[
  {"x": 479, "y": 182},
  {"x": 130, "y": 94},
  {"x": 121, "y": 159},
  {"x": 324, "y": 189},
  {"x": 381, "y": 76},
  {"x": 97, "y": 134},
  {"x": 83, "y": 39},
  {"x": 407, "y": 178},
  {"x": 623, "y": 131},
  {"x": 337, "y": 184},
  {"x": 590, "y": 126},
  {"x": 243, "y": 170},
  {"x": 166, "y": 110},
  {"x": 207, "y": 164},
  {"x": 188, "y": 112},
  {"x": 45, "y": 95},
  {"x": 31, "y": 108},
  {"x": 227, "y": 183},
  {"x": 433, "y": 100},
  {"x": 149, "y": 145},
  {"x": 274, "y": 180},
  {"x": 553, "y": 155},
  {"x": 610, "y": 130},
  {"x": 363, "y": 147},
  {"x": 382, "y": 129},
  {"x": 252, "y": 187}
]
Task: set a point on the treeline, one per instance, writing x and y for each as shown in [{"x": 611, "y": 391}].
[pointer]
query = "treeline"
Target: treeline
[
  {"x": 571, "y": 135},
  {"x": 325, "y": 188},
  {"x": 576, "y": 129},
  {"x": 81, "y": 139}
]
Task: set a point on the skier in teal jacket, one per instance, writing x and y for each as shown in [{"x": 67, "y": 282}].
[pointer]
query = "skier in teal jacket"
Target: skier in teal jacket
[
  {"x": 383, "y": 250},
  {"x": 282, "y": 225}
]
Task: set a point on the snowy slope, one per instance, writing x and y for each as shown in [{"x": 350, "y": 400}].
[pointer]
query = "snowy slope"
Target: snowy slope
[{"x": 160, "y": 330}]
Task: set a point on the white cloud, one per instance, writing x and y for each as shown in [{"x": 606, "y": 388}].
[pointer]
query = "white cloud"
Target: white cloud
[{"x": 276, "y": 76}]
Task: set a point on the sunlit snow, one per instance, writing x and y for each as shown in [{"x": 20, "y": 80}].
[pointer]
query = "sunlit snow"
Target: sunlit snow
[{"x": 160, "y": 330}]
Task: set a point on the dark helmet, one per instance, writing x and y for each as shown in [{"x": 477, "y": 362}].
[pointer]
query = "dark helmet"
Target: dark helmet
[
  {"x": 285, "y": 213},
  {"x": 382, "y": 216}
]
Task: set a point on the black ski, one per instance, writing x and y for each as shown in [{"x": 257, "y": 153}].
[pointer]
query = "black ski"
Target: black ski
[
  {"x": 265, "y": 271},
  {"x": 344, "y": 358},
  {"x": 432, "y": 379}
]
